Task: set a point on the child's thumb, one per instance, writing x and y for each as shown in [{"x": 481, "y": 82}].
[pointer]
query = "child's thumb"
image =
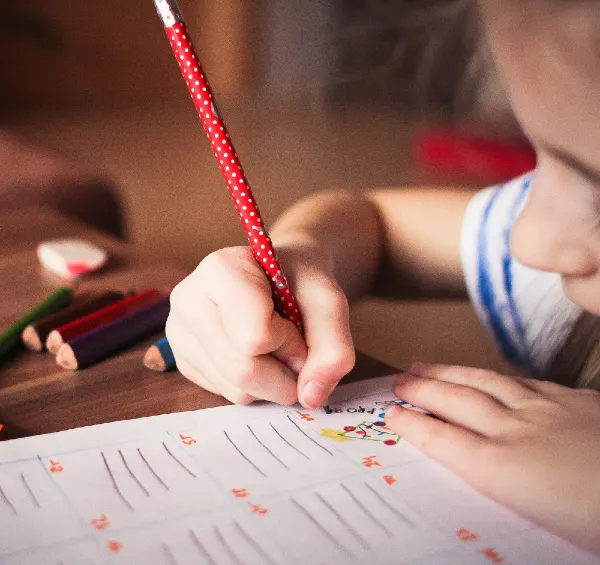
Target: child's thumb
[{"x": 331, "y": 352}]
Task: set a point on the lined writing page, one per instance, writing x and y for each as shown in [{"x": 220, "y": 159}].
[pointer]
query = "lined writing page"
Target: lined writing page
[{"x": 258, "y": 485}]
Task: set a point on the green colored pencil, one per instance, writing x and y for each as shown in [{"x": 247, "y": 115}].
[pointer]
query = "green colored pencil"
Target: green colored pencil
[{"x": 55, "y": 302}]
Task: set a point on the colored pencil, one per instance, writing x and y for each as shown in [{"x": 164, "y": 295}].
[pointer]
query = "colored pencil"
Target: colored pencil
[
  {"x": 106, "y": 340},
  {"x": 226, "y": 157},
  {"x": 159, "y": 357},
  {"x": 34, "y": 335},
  {"x": 55, "y": 302},
  {"x": 99, "y": 318}
]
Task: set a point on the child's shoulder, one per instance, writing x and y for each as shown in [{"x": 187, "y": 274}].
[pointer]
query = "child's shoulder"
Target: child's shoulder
[
  {"x": 498, "y": 205},
  {"x": 524, "y": 310}
]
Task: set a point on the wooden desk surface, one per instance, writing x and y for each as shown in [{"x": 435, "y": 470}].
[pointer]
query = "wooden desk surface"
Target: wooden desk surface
[{"x": 36, "y": 396}]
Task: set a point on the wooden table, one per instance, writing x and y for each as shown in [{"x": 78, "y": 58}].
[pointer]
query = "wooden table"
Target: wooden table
[{"x": 36, "y": 396}]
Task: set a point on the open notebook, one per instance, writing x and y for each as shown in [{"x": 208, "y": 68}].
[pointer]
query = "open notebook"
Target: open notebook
[{"x": 259, "y": 485}]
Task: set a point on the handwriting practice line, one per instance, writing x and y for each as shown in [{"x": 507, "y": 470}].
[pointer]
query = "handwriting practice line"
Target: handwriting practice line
[
  {"x": 156, "y": 475},
  {"x": 253, "y": 543},
  {"x": 288, "y": 443},
  {"x": 228, "y": 549},
  {"x": 114, "y": 482},
  {"x": 343, "y": 521},
  {"x": 201, "y": 549},
  {"x": 132, "y": 475},
  {"x": 7, "y": 501},
  {"x": 310, "y": 438},
  {"x": 30, "y": 491},
  {"x": 266, "y": 448},
  {"x": 167, "y": 551},
  {"x": 180, "y": 463},
  {"x": 390, "y": 507},
  {"x": 244, "y": 455},
  {"x": 322, "y": 528},
  {"x": 367, "y": 511}
]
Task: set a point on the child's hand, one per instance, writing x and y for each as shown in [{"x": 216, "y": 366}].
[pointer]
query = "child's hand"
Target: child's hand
[
  {"x": 532, "y": 446},
  {"x": 227, "y": 338}
]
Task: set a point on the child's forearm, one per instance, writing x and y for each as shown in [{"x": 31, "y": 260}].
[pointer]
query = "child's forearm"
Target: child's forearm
[
  {"x": 341, "y": 229},
  {"x": 405, "y": 240}
]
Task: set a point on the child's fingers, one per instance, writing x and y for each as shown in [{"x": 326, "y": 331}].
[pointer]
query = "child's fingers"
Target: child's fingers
[
  {"x": 464, "y": 406},
  {"x": 185, "y": 345},
  {"x": 293, "y": 349},
  {"x": 462, "y": 451},
  {"x": 261, "y": 376},
  {"x": 234, "y": 395},
  {"x": 239, "y": 288},
  {"x": 507, "y": 390},
  {"x": 227, "y": 304},
  {"x": 232, "y": 280},
  {"x": 547, "y": 388},
  {"x": 331, "y": 353},
  {"x": 193, "y": 364}
]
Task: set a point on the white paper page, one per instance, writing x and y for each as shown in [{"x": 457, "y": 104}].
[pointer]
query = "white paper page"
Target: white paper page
[{"x": 258, "y": 485}]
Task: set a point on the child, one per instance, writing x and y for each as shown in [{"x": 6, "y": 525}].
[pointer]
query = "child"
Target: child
[{"x": 531, "y": 445}]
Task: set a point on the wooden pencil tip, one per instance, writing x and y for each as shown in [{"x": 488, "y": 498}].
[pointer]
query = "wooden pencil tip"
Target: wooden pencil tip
[
  {"x": 54, "y": 342},
  {"x": 66, "y": 359},
  {"x": 31, "y": 339},
  {"x": 153, "y": 360}
]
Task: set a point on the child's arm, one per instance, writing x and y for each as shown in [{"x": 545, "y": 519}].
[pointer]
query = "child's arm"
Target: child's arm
[
  {"x": 409, "y": 237},
  {"x": 227, "y": 337},
  {"x": 530, "y": 445}
]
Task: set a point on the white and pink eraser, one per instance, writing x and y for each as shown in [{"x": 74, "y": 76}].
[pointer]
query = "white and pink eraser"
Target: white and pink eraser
[{"x": 71, "y": 258}]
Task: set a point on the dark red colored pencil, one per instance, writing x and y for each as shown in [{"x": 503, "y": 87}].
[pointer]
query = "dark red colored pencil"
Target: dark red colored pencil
[
  {"x": 34, "y": 336},
  {"x": 97, "y": 319},
  {"x": 107, "y": 340}
]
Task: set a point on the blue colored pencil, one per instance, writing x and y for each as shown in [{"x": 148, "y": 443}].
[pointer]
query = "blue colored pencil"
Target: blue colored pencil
[{"x": 159, "y": 357}]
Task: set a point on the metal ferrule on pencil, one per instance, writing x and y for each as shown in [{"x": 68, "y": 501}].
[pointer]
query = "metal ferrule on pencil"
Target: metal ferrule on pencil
[{"x": 169, "y": 12}]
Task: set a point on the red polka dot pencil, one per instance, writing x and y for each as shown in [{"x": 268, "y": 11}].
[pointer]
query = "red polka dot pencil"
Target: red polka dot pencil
[{"x": 226, "y": 156}]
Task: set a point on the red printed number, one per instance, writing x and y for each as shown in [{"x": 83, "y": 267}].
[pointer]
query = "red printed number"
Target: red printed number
[
  {"x": 55, "y": 466},
  {"x": 371, "y": 461},
  {"x": 258, "y": 509},
  {"x": 390, "y": 480},
  {"x": 306, "y": 417},
  {"x": 114, "y": 546},
  {"x": 466, "y": 535},
  {"x": 240, "y": 492},
  {"x": 187, "y": 440},
  {"x": 492, "y": 555},
  {"x": 100, "y": 523}
]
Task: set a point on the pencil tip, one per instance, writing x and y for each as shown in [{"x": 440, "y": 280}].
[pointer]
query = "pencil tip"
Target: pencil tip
[
  {"x": 53, "y": 342},
  {"x": 65, "y": 358},
  {"x": 31, "y": 339},
  {"x": 153, "y": 359}
]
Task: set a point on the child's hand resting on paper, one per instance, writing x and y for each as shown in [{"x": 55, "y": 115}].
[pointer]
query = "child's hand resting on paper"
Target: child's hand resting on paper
[
  {"x": 227, "y": 337},
  {"x": 532, "y": 446}
]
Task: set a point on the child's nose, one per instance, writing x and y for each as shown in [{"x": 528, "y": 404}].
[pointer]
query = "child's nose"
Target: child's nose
[{"x": 552, "y": 238}]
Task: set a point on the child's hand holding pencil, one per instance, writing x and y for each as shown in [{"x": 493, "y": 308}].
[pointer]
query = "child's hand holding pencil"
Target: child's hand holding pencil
[
  {"x": 235, "y": 326},
  {"x": 227, "y": 336}
]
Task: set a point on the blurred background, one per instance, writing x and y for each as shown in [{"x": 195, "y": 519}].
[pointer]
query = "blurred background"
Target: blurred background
[{"x": 95, "y": 119}]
